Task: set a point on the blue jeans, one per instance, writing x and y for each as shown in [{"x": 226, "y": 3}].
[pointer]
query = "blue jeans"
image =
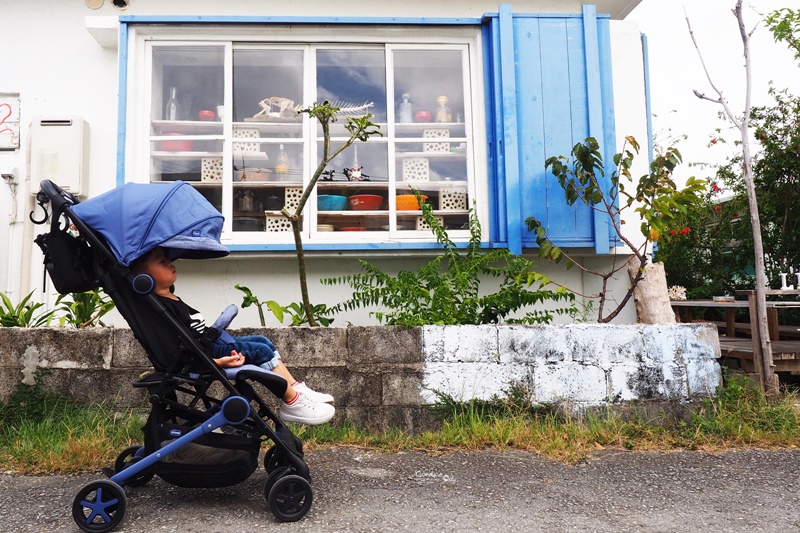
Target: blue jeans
[{"x": 256, "y": 349}]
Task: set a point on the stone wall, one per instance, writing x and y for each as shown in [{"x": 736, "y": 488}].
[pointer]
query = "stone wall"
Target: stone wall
[{"x": 385, "y": 376}]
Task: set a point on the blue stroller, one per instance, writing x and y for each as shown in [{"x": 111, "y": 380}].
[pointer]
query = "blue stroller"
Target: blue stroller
[{"x": 192, "y": 437}]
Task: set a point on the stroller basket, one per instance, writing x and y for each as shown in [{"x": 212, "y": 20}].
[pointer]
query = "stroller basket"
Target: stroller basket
[{"x": 193, "y": 437}]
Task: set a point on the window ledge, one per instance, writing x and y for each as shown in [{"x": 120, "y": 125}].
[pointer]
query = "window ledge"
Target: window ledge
[{"x": 105, "y": 30}]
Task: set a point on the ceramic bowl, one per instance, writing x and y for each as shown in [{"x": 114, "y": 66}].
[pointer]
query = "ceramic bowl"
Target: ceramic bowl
[
  {"x": 365, "y": 202},
  {"x": 354, "y": 228},
  {"x": 177, "y": 145},
  {"x": 408, "y": 202},
  {"x": 331, "y": 202},
  {"x": 324, "y": 227},
  {"x": 422, "y": 116},
  {"x": 206, "y": 114}
]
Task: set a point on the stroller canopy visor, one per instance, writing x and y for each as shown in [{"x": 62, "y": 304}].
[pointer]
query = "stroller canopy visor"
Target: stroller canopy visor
[{"x": 136, "y": 217}]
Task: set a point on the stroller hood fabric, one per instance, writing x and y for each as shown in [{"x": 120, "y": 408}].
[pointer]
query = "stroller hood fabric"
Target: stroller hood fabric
[{"x": 137, "y": 217}]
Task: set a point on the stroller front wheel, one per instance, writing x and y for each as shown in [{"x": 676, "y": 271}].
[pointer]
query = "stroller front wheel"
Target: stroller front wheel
[
  {"x": 290, "y": 498},
  {"x": 99, "y": 506}
]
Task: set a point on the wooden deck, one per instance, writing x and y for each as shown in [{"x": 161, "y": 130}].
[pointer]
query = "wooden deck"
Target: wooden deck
[{"x": 785, "y": 354}]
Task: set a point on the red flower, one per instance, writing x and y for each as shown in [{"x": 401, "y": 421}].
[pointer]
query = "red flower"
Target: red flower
[
  {"x": 735, "y": 215},
  {"x": 672, "y": 232},
  {"x": 713, "y": 141},
  {"x": 684, "y": 231},
  {"x": 715, "y": 187},
  {"x": 717, "y": 207}
]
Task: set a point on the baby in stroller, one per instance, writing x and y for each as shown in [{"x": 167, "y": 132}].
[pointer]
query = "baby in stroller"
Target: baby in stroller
[
  {"x": 299, "y": 404},
  {"x": 208, "y": 421}
]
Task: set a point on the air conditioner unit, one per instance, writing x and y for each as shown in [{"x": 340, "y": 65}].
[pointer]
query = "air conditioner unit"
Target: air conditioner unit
[{"x": 60, "y": 153}]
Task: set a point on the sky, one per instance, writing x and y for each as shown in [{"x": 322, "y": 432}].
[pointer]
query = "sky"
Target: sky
[{"x": 675, "y": 70}]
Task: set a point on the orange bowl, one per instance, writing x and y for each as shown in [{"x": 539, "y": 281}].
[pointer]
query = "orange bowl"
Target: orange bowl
[{"x": 408, "y": 202}]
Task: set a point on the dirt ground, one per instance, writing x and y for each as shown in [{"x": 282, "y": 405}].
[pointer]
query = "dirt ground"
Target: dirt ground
[{"x": 359, "y": 491}]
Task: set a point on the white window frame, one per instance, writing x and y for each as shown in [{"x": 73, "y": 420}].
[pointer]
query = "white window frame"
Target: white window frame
[{"x": 143, "y": 37}]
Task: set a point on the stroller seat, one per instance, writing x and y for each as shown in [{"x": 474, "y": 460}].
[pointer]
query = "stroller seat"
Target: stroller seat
[{"x": 206, "y": 424}]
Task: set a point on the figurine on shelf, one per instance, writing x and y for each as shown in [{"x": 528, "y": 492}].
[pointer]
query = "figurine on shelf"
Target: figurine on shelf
[
  {"x": 285, "y": 108},
  {"x": 354, "y": 173}
]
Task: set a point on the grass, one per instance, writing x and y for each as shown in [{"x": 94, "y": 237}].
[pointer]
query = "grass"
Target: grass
[
  {"x": 42, "y": 433},
  {"x": 739, "y": 417}
]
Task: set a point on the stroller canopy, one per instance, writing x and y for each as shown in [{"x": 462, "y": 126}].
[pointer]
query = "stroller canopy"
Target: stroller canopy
[{"x": 136, "y": 217}]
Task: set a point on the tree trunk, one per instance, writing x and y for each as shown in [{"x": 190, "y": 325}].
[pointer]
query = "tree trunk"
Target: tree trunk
[{"x": 650, "y": 295}]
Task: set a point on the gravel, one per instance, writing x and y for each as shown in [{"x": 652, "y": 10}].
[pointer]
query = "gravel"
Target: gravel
[{"x": 361, "y": 491}]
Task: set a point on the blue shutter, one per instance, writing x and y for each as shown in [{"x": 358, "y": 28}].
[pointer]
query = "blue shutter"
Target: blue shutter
[{"x": 551, "y": 90}]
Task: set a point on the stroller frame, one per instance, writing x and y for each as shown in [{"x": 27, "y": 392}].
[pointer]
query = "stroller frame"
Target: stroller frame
[{"x": 100, "y": 505}]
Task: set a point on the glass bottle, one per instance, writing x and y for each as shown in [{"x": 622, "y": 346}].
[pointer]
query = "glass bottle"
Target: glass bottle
[
  {"x": 443, "y": 113},
  {"x": 404, "y": 110},
  {"x": 282, "y": 164},
  {"x": 172, "y": 109}
]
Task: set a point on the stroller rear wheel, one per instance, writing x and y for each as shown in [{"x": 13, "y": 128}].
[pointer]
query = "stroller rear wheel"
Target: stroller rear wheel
[
  {"x": 99, "y": 506},
  {"x": 290, "y": 498},
  {"x": 273, "y": 459},
  {"x": 126, "y": 458}
]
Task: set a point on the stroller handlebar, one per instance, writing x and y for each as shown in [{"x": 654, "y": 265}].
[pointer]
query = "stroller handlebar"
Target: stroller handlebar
[{"x": 55, "y": 195}]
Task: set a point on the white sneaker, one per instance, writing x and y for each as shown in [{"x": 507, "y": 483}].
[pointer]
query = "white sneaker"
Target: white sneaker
[
  {"x": 312, "y": 394},
  {"x": 305, "y": 411}
]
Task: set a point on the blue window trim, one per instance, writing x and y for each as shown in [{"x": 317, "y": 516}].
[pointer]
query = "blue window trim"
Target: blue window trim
[
  {"x": 503, "y": 175},
  {"x": 354, "y": 247},
  {"x": 595, "y": 104},
  {"x": 609, "y": 120},
  {"x": 647, "y": 103},
  {"x": 508, "y": 137}
]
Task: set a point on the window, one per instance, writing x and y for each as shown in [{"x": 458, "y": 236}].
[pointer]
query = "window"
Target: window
[{"x": 222, "y": 116}]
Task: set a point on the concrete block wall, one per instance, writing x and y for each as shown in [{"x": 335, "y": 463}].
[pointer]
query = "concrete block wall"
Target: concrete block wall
[
  {"x": 385, "y": 376},
  {"x": 580, "y": 365}
]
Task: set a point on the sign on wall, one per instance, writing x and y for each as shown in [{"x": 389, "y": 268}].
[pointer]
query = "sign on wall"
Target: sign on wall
[{"x": 9, "y": 121}]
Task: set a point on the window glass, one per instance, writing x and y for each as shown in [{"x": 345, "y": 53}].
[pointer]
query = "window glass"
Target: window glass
[{"x": 224, "y": 117}]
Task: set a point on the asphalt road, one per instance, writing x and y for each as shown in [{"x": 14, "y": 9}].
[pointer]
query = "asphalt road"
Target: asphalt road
[{"x": 358, "y": 491}]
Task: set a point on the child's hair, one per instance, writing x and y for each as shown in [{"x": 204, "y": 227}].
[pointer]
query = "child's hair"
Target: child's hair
[{"x": 137, "y": 265}]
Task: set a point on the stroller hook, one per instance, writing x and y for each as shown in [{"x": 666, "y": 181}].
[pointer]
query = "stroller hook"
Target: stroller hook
[{"x": 42, "y": 200}]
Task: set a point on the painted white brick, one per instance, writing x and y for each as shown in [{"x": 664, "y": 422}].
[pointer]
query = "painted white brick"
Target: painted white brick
[
  {"x": 574, "y": 365},
  {"x": 534, "y": 344},
  {"x": 460, "y": 344},
  {"x": 570, "y": 384},
  {"x": 619, "y": 382},
  {"x": 703, "y": 377},
  {"x": 465, "y": 381}
]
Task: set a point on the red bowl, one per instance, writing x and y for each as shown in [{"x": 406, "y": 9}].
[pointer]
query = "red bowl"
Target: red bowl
[
  {"x": 365, "y": 202},
  {"x": 422, "y": 116},
  {"x": 206, "y": 114},
  {"x": 354, "y": 228},
  {"x": 175, "y": 146}
]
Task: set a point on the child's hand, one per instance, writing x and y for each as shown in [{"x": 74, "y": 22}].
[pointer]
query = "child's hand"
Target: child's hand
[{"x": 231, "y": 361}]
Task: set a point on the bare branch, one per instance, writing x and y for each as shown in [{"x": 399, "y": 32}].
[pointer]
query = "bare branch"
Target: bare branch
[
  {"x": 721, "y": 100},
  {"x": 704, "y": 97}
]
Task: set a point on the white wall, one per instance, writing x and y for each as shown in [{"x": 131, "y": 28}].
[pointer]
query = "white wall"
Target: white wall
[{"x": 60, "y": 70}]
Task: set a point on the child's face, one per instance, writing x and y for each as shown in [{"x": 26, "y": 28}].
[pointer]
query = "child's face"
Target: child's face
[{"x": 161, "y": 270}]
